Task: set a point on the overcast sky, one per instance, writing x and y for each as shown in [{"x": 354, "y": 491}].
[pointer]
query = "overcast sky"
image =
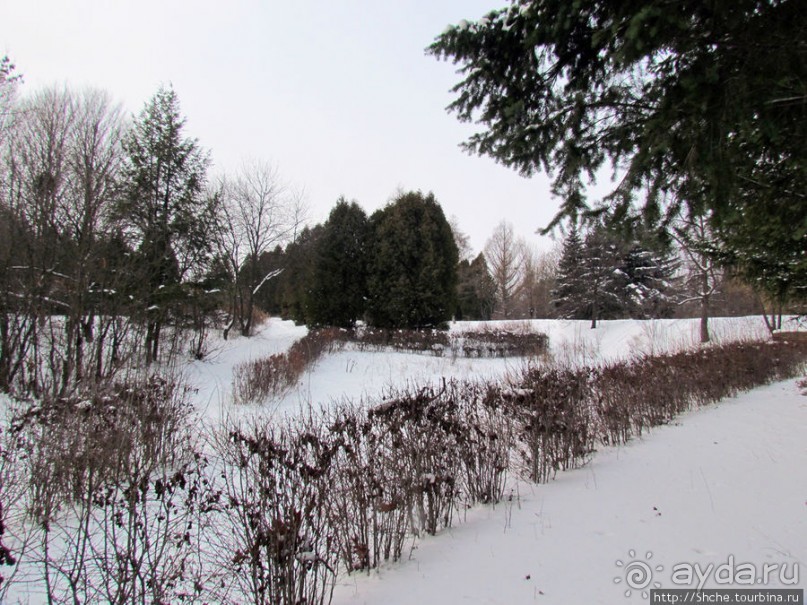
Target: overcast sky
[{"x": 339, "y": 95}]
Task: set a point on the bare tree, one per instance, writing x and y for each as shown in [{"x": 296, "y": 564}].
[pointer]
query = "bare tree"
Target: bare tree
[
  {"x": 34, "y": 187},
  {"x": 504, "y": 254},
  {"x": 59, "y": 172},
  {"x": 695, "y": 238},
  {"x": 539, "y": 270},
  {"x": 93, "y": 160},
  {"x": 9, "y": 83},
  {"x": 257, "y": 212}
]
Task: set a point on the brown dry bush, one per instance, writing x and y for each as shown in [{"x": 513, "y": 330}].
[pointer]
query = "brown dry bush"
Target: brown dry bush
[
  {"x": 420, "y": 433},
  {"x": 487, "y": 438},
  {"x": 115, "y": 493},
  {"x": 406, "y": 465},
  {"x": 555, "y": 419},
  {"x": 273, "y": 539},
  {"x": 258, "y": 379},
  {"x": 369, "y": 503},
  {"x": 562, "y": 414}
]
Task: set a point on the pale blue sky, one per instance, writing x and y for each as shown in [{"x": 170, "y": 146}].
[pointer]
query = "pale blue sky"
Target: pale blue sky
[{"x": 338, "y": 94}]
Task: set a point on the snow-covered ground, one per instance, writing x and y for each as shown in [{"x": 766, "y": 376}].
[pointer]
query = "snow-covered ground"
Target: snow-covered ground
[
  {"x": 726, "y": 481},
  {"x": 356, "y": 374}
]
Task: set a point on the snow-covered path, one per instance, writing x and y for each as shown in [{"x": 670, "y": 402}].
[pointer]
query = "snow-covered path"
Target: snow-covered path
[{"x": 727, "y": 480}]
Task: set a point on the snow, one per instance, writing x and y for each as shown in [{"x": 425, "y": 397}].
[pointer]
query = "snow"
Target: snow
[
  {"x": 725, "y": 481},
  {"x": 212, "y": 376},
  {"x": 363, "y": 374},
  {"x": 728, "y": 480}
]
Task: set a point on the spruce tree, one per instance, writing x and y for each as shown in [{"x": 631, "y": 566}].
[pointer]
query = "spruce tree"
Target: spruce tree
[
  {"x": 568, "y": 295},
  {"x": 604, "y": 293},
  {"x": 701, "y": 103},
  {"x": 649, "y": 282}
]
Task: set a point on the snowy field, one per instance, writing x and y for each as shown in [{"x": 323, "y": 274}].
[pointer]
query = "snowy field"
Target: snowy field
[
  {"x": 356, "y": 375},
  {"x": 724, "y": 483},
  {"x": 729, "y": 480}
]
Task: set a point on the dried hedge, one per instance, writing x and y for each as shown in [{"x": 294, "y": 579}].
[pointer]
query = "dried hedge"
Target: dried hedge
[
  {"x": 411, "y": 463},
  {"x": 118, "y": 494},
  {"x": 271, "y": 376}
]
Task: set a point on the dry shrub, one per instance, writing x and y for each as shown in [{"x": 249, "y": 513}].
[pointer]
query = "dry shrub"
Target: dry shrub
[
  {"x": 115, "y": 493},
  {"x": 482, "y": 343},
  {"x": 273, "y": 540},
  {"x": 501, "y": 343},
  {"x": 563, "y": 413},
  {"x": 553, "y": 411},
  {"x": 406, "y": 465},
  {"x": 488, "y": 436},
  {"x": 258, "y": 379},
  {"x": 419, "y": 432},
  {"x": 369, "y": 503},
  {"x": 271, "y": 376}
]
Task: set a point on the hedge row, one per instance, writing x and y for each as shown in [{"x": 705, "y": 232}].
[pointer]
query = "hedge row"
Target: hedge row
[{"x": 271, "y": 376}]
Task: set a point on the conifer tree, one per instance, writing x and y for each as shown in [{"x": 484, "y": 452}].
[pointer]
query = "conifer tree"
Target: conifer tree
[
  {"x": 476, "y": 290},
  {"x": 165, "y": 208},
  {"x": 570, "y": 287},
  {"x": 412, "y": 273},
  {"x": 339, "y": 288}
]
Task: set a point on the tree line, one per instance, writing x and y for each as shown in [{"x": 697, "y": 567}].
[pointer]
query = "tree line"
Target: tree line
[{"x": 117, "y": 245}]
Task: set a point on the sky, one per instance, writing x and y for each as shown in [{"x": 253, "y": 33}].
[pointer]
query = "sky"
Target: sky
[{"x": 338, "y": 95}]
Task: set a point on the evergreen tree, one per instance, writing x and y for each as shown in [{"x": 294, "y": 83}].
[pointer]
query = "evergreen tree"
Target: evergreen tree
[
  {"x": 296, "y": 280},
  {"x": 604, "y": 277},
  {"x": 339, "y": 288},
  {"x": 702, "y": 103},
  {"x": 165, "y": 208},
  {"x": 412, "y": 273},
  {"x": 568, "y": 295},
  {"x": 605, "y": 283},
  {"x": 649, "y": 282},
  {"x": 476, "y": 290},
  {"x": 269, "y": 297}
]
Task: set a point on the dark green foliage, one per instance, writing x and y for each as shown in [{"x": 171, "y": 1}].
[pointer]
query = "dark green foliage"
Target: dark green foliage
[
  {"x": 568, "y": 294},
  {"x": 650, "y": 282},
  {"x": 768, "y": 243},
  {"x": 605, "y": 293},
  {"x": 606, "y": 277},
  {"x": 701, "y": 104},
  {"x": 164, "y": 206},
  {"x": 268, "y": 297},
  {"x": 295, "y": 282},
  {"x": 476, "y": 290},
  {"x": 339, "y": 288},
  {"x": 412, "y": 271}
]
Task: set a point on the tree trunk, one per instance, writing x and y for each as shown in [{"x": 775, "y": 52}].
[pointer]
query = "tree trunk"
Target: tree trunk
[
  {"x": 704, "y": 307},
  {"x": 5, "y": 353}
]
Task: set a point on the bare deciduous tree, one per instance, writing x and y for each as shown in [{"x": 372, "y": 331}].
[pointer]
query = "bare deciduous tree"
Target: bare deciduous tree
[
  {"x": 257, "y": 212},
  {"x": 704, "y": 277},
  {"x": 504, "y": 254},
  {"x": 539, "y": 270}
]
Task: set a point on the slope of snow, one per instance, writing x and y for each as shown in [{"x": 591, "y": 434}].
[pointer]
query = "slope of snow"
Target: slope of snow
[
  {"x": 728, "y": 480},
  {"x": 356, "y": 374},
  {"x": 212, "y": 377}
]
